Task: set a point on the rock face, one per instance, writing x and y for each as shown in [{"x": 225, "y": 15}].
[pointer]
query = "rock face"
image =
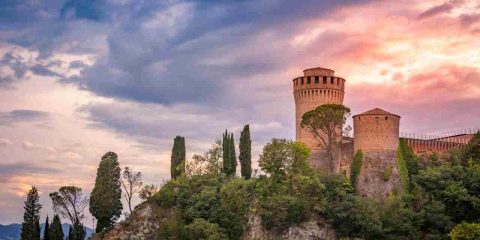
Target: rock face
[
  {"x": 147, "y": 219},
  {"x": 379, "y": 175},
  {"x": 312, "y": 230}
]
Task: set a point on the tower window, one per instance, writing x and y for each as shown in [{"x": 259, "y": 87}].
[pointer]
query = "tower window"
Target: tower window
[
  {"x": 331, "y": 80},
  {"x": 302, "y": 80},
  {"x": 317, "y": 79},
  {"x": 338, "y": 81},
  {"x": 324, "y": 80},
  {"x": 308, "y": 80},
  {"x": 386, "y": 118}
]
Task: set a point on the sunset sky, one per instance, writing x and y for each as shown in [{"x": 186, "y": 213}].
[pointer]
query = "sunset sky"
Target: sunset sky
[{"x": 79, "y": 78}]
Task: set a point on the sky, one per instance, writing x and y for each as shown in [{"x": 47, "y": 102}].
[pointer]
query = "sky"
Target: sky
[{"x": 79, "y": 78}]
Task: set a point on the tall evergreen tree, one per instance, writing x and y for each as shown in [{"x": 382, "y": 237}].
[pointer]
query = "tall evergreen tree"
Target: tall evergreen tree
[
  {"x": 105, "y": 199},
  {"x": 56, "y": 232},
  {"x": 46, "y": 232},
  {"x": 31, "y": 216},
  {"x": 229, "y": 156},
  {"x": 177, "y": 163},
  {"x": 77, "y": 231},
  {"x": 245, "y": 156}
]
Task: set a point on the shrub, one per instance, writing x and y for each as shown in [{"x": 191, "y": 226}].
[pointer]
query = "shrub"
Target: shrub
[
  {"x": 402, "y": 170},
  {"x": 166, "y": 196},
  {"x": 387, "y": 173},
  {"x": 236, "y": 195},
  {"x": 202, "y": 229},
  {"x": 282, "y": 211}
]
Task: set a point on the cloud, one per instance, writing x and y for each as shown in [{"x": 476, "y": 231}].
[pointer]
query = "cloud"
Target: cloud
[
  {"x": 22, "y": 115},
  {"x": 443, "y": 8},
  {"x": 32, "y": 147},
  {"x": 5, "y": 142}
]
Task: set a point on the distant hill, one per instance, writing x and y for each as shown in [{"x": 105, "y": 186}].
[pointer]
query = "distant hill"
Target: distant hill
[{"x": 12, "y": 231}]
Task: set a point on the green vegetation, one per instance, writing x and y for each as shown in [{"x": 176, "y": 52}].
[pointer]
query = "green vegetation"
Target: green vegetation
[
  {"x": 466, "y": 231},
  {"x": 387, "y": 173},
  {"x": 472, "y": 150},
  {"x": 355, "y": 168},
  {"x": 105, "y": 199},
  {"x": 324, "y": 123},
  {"x": 229, "y": 155},
  {"x": 402, "y": 170},
  {"x": 31, "y": 216},
  {"x": 177, "y": 164},
  {"x": 245, "y": 156},
  {"x": 56, "y": 232}
]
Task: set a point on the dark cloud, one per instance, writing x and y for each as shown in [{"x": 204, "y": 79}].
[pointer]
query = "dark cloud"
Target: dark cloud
[
  {"x": 14, "y": 169},
  {"x": 444, "y": 8},
  {"x": 83, "y": 9},
  {"x": 38, "y": 69},
  {"x": 469, "y": 19},
  {"x": 77, "y": 65},
  {"x": 22, "y": 115}
]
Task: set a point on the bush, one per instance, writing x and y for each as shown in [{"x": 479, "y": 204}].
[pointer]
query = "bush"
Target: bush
[
  {"x": 466, "y": 231},
  {"x": 236, "y": 195},
  {"x": 402, "y": 170},
  {"x": 282, "y": 211},
  {"x": 202, "y": 229},
  {"x": 166, "y": 197}
]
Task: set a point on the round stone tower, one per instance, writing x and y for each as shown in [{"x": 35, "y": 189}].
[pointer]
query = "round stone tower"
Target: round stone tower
[
  {"x": 317, "y": 86},
  {"x": 376, "y": 135}
]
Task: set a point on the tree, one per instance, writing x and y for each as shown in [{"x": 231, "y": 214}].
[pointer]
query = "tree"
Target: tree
[
  {"x": 245, "y": 156},
  {"x": 56, "y": 232},
  {"x": 31, "y": 216},
  {"x": 148, "y": 191},
  {"x": 466, "y": 231},
  {"x": 202, "y": 229},
  {"x": 69, "y": 202},
  {"x": 177, "y": 164},
  {"x": 46, "y": 232},
  {"x": 105, "y": 199},
  {"x": 472, "y": 150},
  {"x": 325, "y": 123},
  {"x": 132, "y": 183},
  {"x": 282, "y": 157},
  {"x": 208, "y": 163},
  {"x": 76, "y": 231},
  {"x": 229, "y": 155}
]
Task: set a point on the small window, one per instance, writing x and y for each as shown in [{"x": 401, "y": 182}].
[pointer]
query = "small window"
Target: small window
[
  {"x": 302, "y": 81},
  {"x": 331, "y": 80},
  {"x": 386, "y": 118},
  {"x": 308, "y": 80},
  {"x": 317, "y": 79},
  {"x": 324, "y": 80},
  {"x": 338, "y": 81}
]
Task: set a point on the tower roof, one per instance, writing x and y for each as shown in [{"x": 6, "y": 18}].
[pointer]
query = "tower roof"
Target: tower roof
[{"x": 376, "y": 111}]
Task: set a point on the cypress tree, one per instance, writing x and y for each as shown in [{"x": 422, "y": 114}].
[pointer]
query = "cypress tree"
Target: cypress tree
[
  {"x": 245, "y": 156},
  {"x": 233, "y": 156},
  {"x": 46, "y": 232},
  {"x": 77, "y": 232},
  {"x": 229, "y": 156},
  {"x": 56, "y": 232},
  {"x": 31, "y": 218},
  {"x": 105, "y": 199},
  {"x": 177, "y": 162}
]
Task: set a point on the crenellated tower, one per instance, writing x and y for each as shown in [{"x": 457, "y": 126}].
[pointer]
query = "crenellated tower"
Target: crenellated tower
[{"x": 317, "y": 86}]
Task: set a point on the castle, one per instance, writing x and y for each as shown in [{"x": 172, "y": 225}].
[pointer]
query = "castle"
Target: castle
[{"x": 376, "y": 135}]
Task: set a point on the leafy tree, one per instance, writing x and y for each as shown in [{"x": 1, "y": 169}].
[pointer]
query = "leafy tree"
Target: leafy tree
[
  {"x": 132, "y": 183},
  {"x": 472, "y": 150},
  {"x": 46, "y": 232},
  {"x": 208, "y": 163},
  {"x": 177, "y": 166},
  {"x": 229, "y": 155},
  {"x": 69, "y": 202},
  {"x": 202, "y": 229},
  {"x": 281, "y": 157},
  {"x": 148, "y": 191},
  {"x": 56, "y": 232},
  {"x": 31, "y": 216},
  {"x": 245, "y": 156},
  {"x": 105, "y": 199},
  {"x": 466, "y": 231},
  {"x": 325, "y": 123}
]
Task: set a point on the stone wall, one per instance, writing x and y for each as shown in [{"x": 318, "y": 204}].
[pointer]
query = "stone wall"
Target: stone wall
[{"x": 376, "y": 132}]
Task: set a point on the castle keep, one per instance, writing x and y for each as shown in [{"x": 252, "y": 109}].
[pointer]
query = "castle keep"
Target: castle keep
[{"x": 376, "y": 135}]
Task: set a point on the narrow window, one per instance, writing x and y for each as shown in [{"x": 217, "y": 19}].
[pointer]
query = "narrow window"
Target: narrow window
[
  {"x": 317, "y": 79},
  {"x": 308, "y": 80},
  {"x": 331, "y": 80},
  {"x": 302, "y": 80},
  {"x": 386, "y": 118},
  {"x": 324, "y": 80},
  {"x": 338, "y": 81}
]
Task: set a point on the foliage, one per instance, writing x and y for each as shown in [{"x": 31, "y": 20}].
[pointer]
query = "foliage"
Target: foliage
[
  {"x": 466, "y": 231},
  {"x": 325, "y": 124},
  {"x": 281, "y": 211},
  {"x": 76, "y": 231},
  {"x": 56, "y": 232},
  {"x": 46, "y": 232},
  {"x": 148, "y": 191},
  {"x": 202, "y": 229},
  {"x": 472, "y": 150},
  {"x": 282, "y": 157},
  {"x": 31, "y": 216},
  {"x": 208, "y": 163},
  {"x": 355, "y": 168},
  {"x": 69, "y": 202},
  {"x": 177, "y": 164},
  {"x": 387, "y": 173},
  {"x": 402, "y": 170},
  {"x": 245, "y": 156},
  {"x": 399, "y": 221},
  {"x": 410, "y": 159},
  {"x": 229, "y": 155},
  {"x": 105, "y": 199},
  {"x": 131, "y": 183},
  {"x": 236, "y": 195}
]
